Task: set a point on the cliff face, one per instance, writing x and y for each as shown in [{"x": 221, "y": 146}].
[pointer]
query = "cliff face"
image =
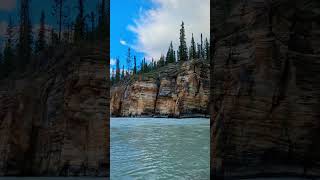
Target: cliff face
[
  {"x": 176, "y": 90},
  {"x": 266, "y": 88},
  {"x": 55, "y": 121}
]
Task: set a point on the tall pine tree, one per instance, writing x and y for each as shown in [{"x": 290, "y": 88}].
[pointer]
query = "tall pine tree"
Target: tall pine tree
[
  {"x": 25, "y": 35},
  {"x": 193, "y": 53},
  {"x": 41, "y": 42},
  {"x": 135, "y": 65},
  {"x": 8, "y": 55},
  {"x": 60, "y": 14},
  {"x": 79, "y": 27},
  {"x": 117, "y": 70},
  {"x": 129, "y": 60},
  {"x": 170, "y": 54},
  {"x": 183, "y": 50},
  {"x": 207, "y": 49}
]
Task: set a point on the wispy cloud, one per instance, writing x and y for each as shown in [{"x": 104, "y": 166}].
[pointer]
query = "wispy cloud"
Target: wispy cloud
[
  {"x": 156, "y": 27},
  {"x": 7, "y": 5},
  {"x": 112, "y": 62},
  {"x": 123, "y": 42}
]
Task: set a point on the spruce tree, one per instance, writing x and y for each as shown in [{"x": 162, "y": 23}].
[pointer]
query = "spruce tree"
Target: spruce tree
[
  {"x": 183, "y": 50},
  {"x": 129, "y": 60},
  {"x": 117, "y": 70},
  {"x": 193, "y": 53},
  {"x": 207, "y": 49},
  {"x": 79, "y": 27},
  {"x": 135, "y": 65},
  {"x": 41, "y": 42},
  {"x": 201, "y": 48},
  {"x": 170, "y": 54},
  {"x": 122, "y": 74},
  {"x": 8, "y": 55},
  {"x": 60, "y": 13},
  {"x": 25, "y": 35}
]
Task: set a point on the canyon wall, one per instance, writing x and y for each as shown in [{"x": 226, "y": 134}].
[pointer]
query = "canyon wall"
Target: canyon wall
[
  {"x": 54, "y": 120},
  {"x": 265, "y": 88},
  {"x": 176, "y": 90}
]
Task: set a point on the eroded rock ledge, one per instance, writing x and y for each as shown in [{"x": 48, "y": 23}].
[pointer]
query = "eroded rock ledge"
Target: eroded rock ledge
[
  {"x": 54, "y": 121},
  {"x": 176, "y": 90}
]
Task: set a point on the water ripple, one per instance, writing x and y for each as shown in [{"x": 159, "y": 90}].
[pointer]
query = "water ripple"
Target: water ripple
[{"x": 149, "y": 148}]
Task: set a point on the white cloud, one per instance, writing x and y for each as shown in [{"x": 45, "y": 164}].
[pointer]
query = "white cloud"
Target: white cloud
[
  {"x": 123, "y": 42},
  {"x": 7, "y": 5},
  {"x": 156, "y": 27},
  {"x": 112, "y": 62}
]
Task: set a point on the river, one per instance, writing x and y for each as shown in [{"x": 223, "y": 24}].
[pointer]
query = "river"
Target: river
[{"x": 159, "y": 148}]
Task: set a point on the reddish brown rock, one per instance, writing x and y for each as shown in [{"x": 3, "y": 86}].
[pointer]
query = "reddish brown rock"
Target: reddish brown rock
[
  {"x": 266, "y": 91},
  {"x": 54, "y": 121}
]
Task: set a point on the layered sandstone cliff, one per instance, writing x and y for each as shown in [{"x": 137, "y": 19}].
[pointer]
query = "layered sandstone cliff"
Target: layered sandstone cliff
[
  {"x": 176, "y": 90},
  {"x": 265, "y": 88},
  {"x": 54, "y": 120}
]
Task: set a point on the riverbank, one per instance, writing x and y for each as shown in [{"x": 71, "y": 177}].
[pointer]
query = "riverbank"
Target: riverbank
[{"x": 185, "y": 116}]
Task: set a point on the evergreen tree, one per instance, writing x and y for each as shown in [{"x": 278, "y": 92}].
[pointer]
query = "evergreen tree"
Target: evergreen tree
[
  {"x": 183, "y": 50},
  {"x": 25, "y": 35},
  {"x": 170, "y": 54},
  {"x": 117, "y": 70},
  {"x": 129, "y": 60},
  {"x": 201, "y": 48},
  {"x": 60, "y": 13},
  {"x": 193, "y": 53},
  {"x": 161, "y": 61},
  {"x": 174, "y": 56},
  {"x": 103, "y": 20},
  {"x": 8, "y": 55},
  {"x": 122, "y": 74},
  {"x": 135, "y": 65},
  {"x": 79, "y": 27},
  {"x": 41, "y": 42},
  {"x": 207, "y": 49},
  {"x": 198, "y": 51}
]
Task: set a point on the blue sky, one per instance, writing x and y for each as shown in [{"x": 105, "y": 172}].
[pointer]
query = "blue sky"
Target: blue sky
[
  {"x": 148, "y": 26},
  {"x": 123, "y": 14}
]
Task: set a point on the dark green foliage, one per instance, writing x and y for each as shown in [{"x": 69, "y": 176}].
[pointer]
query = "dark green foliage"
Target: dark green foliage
[
  {"x": 79, "y": 27},
  {"x": 170, "y": 55},
  {"x": 122, "y": 74},
  {"x": 117, "y": 70},
  {"x": 60, "y": 13},
  {"x": 207, "y": 49},
  {"x": 183, "y": 50},
  {"x": 161, "y": 61},
  {"x": 129, "y": 59},
  {"x": 41, "y": 42},
  {"x": 135, "y": 65},
  {"x": 192, "y": 49},
  {"x": 8, "y": 54},
  {"x": 103, "y": 20},
  {"x": 25, "y": 35}
]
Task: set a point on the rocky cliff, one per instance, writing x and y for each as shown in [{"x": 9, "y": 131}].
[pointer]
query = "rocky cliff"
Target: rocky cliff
[
  {"x": 54, "y": 120},
  {"x": 265, "y": 88},
  {"x": 176, "y": 90}
]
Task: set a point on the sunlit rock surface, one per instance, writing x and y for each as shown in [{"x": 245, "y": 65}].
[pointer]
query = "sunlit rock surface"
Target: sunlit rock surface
[{"x": 176, "y": 90}]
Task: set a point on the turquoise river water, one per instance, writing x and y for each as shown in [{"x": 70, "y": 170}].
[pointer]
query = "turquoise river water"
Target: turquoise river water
[{"x": 159, "y": 148}]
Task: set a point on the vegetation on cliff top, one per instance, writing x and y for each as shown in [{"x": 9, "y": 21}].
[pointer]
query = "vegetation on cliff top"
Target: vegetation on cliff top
[
  {"x": 19, "y": 54},
  {"x": 146, "y": 69}
]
